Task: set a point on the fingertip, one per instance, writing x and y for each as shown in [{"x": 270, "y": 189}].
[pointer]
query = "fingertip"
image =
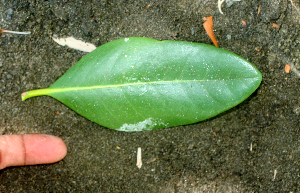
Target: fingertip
[
  {"x": 43, "y": 149},
  {"x": 30, "y": 149}
]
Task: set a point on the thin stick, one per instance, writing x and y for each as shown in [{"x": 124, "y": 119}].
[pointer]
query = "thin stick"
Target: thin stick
[
  {"x": 294, "y": 5},
  {"x": 15, "y": 32},
  {"x": 294, "y": 69},
  {"x": 139, "y": 158},
  {"x": 220, "y": 2}
]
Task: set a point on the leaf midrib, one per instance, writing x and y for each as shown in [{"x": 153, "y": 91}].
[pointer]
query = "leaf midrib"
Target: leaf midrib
[{"x": 48, "y": 91}]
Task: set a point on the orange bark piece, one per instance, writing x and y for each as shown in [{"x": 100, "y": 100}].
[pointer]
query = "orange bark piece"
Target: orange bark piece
[
  {"x": 287, "y": 68},
  {"x": 208, "y": 26},
  {"x": 258, "y": 11},
  {"x": 275, "y": 25}
]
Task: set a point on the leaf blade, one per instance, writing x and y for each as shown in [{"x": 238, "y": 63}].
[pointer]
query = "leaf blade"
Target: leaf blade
[{"x": 141, "y": 84}]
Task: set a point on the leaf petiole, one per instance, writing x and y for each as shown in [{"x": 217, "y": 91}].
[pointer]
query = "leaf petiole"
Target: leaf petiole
[{"x": 38, "y": 92}]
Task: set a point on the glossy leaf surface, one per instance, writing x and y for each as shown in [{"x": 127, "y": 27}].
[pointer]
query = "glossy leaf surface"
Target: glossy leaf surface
[{"x": 136, "y": 84}]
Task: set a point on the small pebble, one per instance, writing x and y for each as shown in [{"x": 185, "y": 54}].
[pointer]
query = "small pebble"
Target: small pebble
[
  {"x": 14, "y": 72},
  {"x": 9, "y": 13},
  {"x": 192, "y": 32},
  {"x": 296, "y": 110}
]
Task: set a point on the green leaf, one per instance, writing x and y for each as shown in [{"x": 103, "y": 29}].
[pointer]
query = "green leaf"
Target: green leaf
[{"x": 136, "y": 84}]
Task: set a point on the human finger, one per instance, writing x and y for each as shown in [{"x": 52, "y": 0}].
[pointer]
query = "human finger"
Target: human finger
[{"x": 30, "y": 149}]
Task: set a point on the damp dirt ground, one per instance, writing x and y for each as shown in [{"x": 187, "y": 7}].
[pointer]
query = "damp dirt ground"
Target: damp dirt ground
[{"x": 254, "y": 147}]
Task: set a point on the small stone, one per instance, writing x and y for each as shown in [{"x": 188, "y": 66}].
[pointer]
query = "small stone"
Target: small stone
[
  {"x": 9, "y": 13},
  {"x": 14, "y": 72},
  {"x": 192, "y": 32},
  {"x": 296, "y": 110}
]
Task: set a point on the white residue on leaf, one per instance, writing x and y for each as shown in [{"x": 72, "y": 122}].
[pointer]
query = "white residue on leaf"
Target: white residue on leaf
[
  {"x": 144, "y": 90},
  {"x": 145, "y": 125},
  {"x": 75, "y": 44}
]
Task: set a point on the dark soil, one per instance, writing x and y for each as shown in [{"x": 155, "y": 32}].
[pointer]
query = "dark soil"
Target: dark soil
[{"x": 210, "y": 156}]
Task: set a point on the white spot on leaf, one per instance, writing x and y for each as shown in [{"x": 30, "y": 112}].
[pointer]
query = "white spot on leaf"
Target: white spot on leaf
[
  {"x": 147, "y": 124},
  {"x": 144, "y": 90}
]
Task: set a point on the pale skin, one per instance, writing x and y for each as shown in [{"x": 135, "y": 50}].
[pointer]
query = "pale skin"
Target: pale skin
[{"x": 30, "y": 149}]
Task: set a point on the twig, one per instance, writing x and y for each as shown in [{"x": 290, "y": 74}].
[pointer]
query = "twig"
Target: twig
[
  {"x": 294, "y": 69},
  {"x": 220, "y": 2},
  {"x": 294, "y": 5},
  {"x": 139, "y": 158},
  {"x": 14, "y": 32}
]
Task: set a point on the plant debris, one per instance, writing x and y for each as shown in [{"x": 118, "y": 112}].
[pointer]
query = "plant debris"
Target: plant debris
[
  {"x": 14, "y": 32},
  {"x": 228, "y": 2},
  {"x": 294, "y": 5},
  {"x": 75, "y": 44},
  {"x": 287, "y": 68},
  {"x": 275, "y": 25},
  {"x": 295, "y": 70},
  {"x": 139, "y": 158},
  {"x": 208, "y": 26}
]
